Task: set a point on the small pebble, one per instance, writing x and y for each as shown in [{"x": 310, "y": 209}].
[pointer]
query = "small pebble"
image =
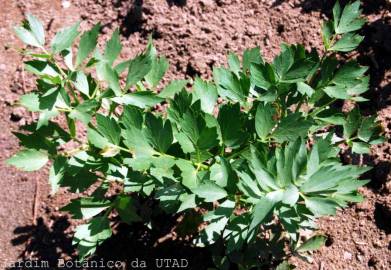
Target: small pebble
[{"x": 65, "y": 4}]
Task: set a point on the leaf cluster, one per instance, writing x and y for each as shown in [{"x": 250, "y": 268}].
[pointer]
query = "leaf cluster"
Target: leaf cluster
[{"x": 257, "y": 145}]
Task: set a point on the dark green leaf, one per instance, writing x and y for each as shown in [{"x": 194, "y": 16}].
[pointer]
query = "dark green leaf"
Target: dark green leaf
[{"x": 264, "y": 121}]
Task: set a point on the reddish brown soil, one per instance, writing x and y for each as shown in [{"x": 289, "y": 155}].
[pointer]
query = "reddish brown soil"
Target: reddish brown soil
[{"x": 194, "y": 35}]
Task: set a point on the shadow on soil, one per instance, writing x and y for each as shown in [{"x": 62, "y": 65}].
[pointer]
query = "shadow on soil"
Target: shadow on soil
[
  {"x": 133, "y": 21},
  {"x": 133, "y": 246}
]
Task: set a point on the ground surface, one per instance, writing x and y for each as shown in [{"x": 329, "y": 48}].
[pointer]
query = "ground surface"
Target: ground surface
[{"x": 194, "y": 35}]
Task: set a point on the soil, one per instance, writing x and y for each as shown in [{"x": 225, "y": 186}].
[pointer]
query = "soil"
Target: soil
[{"x": 194, "y": 36}]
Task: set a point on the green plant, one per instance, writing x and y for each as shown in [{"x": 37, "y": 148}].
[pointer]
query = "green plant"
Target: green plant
[{"x": 262, "y": 162}]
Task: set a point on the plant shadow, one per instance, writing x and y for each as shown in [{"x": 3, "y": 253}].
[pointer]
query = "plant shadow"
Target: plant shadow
[
  {"x": 132, "y": 245},
  {"x": 43, "y": 242}
]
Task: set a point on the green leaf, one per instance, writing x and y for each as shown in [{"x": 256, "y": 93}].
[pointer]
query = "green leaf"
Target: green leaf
[
  {"x": 88, "y": 41},
  {"x": 261, "y": 212},
  {"x": 188, "y": 202},
  {"x": 139, "y": 67},
  {"x": 328, "y": 177},
  {"x": 143, "y": 99},
  {"x": 264, "y": 121},
  {"x": 361, "y": 148},
  {"x": 327, "y": 32},
  {"x": 158, "y": 69},
  {"x": 173, "y": 88},
  {"x": 81, "y": 83},
  {"x": 285, "y": 266},
  {"x": 262, "y": 75},
  {"x": 28, "y": 160},
  {"x": 113, "y": 48},
  {"x": 352, "y": 123},
  {"x": 189, "y": 174},
  {"x": 159, "y": 133},
  {"x": 96, "y": 139},
  {"x": 350, "y": 19},
  {"x": 305, "y": 89},
  {"x": 251, "y": 56},
  {"x": 84, "y": 111},
  {"x": 347, "y": 43},
  {"x": 321, "y": 206},
  {"x": 86, "y": 207},
  {"x": 36, "y": 28},
  {"x": 234, "y": 63},
  {"x": 210, "y": 192},
  {"x": 89, "y": 236},
  {"x": 367, "y": 128},
  {"x": 314, "y": 243},
  {"x": 64, "y": 38},
  {"x": 109, "y": 128},
  {"x": 291, "y": 127},
  {"x": 111, "y": 77},
  {"x": 229, "y": 85},
  {"x": 231, "y": 121},
  {"x": 206, "y": 93},
  {"x": 223, "y": 175},
  {"x": 30, "y": 101},
  {"x": 56, "y": 173},
  {"x": 125, "y": 206},
  {"x": 26, "y": 36}
]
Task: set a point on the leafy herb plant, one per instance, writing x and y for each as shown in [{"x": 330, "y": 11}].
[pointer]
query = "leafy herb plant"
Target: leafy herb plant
[{"x": 256, "y": 148}]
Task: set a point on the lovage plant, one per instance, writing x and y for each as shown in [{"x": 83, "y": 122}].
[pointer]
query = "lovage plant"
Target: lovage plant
[{"x": 256, "y": 148}]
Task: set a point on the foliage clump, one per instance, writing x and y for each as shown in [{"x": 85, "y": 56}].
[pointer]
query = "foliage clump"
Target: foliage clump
[{"x": 257, "y": 147}]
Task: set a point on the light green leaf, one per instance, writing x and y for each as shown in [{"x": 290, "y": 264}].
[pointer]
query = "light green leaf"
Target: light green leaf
[
  {"x": 109, "y": 128},
  {"x": 173, "y": 88},
  {"x": 26, "y": 36},
  {"x": 350, "y": 19},
  {"x": 81, "y": 83},
  {"x": 361, "y": 148},
  {"x": 321, "y": 206},
  {"x": 64, "y": 38},
  {"x": 89, "y": 236},
  {"x": 30, "y": 101},
  {"x": 305, "y": 89},
  {"x": 210, "y": 192},
  {"x": 86, "y": 207},
  {"x": 143, "y": 99},
  {"x": 261, "y": 212},
  {"x": 36, "y": 28},
  {"x": 28, "y": 160},
  {"x": 188, "y": 202}
]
